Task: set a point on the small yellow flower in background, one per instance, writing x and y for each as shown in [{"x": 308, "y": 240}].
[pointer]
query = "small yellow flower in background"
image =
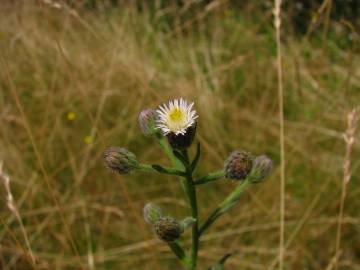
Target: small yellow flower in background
[
  {"x": 88, "y": 139},
  {"x": 71, "y": 116}
]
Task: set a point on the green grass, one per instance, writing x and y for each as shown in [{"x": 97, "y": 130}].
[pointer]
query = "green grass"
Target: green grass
[{"x": 106, "y": 67}]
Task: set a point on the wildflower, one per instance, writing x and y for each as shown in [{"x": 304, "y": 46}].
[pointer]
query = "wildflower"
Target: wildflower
[
  {"x": 238, "y": 165},
  {"x": 152, "y": 213},
  {"x": 167, "y": 229},
  {"x": 71, "y": 116},
  {"x": 147, "y": 122},
  {"x": 177, "y": 121},
  {"x": 262, "y": 167},
  {"x": 120, "y": 160},
  {"x": 176, "y": 117}
]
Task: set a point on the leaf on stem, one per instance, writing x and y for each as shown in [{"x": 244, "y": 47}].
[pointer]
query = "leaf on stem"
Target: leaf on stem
[
  {"x": 181, "y": 158},
  {"x": 220, "y": 264},
  {"x": 196, "y": 159},
  {"x": 180, "y": 253},
  {"x": 161, "y": 169}
]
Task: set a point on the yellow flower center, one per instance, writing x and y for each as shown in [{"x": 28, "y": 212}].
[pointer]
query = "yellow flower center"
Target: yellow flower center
[{"x": 176, "y": 115}]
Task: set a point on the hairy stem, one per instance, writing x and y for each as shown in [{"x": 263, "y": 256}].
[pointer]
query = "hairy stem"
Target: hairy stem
[
  {"x": 194, "y": 214},
  {"x": 210, "y": 220},
  {"x": 189, "y": 188},
  {"x": 227, "y": 204},
  {"x": 176, "y": 163},
  {"x": 191, "y": 192}
]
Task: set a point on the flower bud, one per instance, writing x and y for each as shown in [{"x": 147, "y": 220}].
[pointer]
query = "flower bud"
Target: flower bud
[
  {"x": 152, "y": 213},
  {"x": 238, "y": 165},
  {"x": 147, "y": 121},
  {"x": 261, "y": 169},
  {"x": 120, "y": 160},
  {"x": 167, "y": 229},
  {"x": 182, "y": 141}
]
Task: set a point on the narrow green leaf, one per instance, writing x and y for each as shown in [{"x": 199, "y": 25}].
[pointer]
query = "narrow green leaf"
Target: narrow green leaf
[
  {"x": 220, "y": 264},
  {"x": 159, "y": 168},
  {"x": 183, "y": 159},
  {"x": 171, "y": 171},
  {"x": 196, "y": 159},
  {"x": 179, "y": 156},
  {"x": 180, "y": 253}
]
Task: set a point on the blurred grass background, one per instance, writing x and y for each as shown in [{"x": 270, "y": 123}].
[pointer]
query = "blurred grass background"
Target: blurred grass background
[{"x": 74, "y": 76}]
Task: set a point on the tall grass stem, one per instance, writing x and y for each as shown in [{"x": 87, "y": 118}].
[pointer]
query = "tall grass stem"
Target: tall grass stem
[
  {"x": 277, "y": 23},
  {"x": 13, "y": 208},
  {"x": 349, "y": 138}
]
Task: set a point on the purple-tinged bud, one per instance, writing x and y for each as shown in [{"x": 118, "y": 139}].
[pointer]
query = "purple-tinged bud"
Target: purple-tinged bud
[
  {"x": 168, "y": 229},
  {"x": 147, "y": 121},
  {"x": 120, "y": 160},
  {"x": 262, "y": 167},
  {"x": 238, "y": 165}
]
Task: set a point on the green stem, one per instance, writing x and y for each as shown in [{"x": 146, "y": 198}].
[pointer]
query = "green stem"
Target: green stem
[
  {"x": 209, "y": 221},
  {"x": 188, "y": 185},
  {"x": 235, "y": 195},
  {"x": 189, "y": 189},
  {"x": 191, "y": 192},
  {"x": 227, "y": 204},
  {"x": 195, "y": 228},
  {"x": 168, "y": 151},
  {"x": 176, "y": 163}
]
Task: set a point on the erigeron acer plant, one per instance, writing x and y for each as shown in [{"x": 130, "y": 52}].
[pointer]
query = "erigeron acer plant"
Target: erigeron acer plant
[{"x": 173, "y": 126}]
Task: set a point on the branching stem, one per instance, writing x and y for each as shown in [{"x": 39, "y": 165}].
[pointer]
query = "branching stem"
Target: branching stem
[{"x": 191, "y": 193}]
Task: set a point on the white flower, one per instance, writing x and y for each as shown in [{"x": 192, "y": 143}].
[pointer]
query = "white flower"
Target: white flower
[{"x": 176, "y": 116}]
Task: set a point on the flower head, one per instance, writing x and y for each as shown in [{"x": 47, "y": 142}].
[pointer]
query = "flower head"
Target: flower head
[
  {"x": 147, "y": 122},
  {"x": 167, "y": 229},
  {"x": 261, "y": 168},
  {"x": 120, "y": 160},
  {"x": 238, "y": 165},
  {"x": 176, "y": 117}
]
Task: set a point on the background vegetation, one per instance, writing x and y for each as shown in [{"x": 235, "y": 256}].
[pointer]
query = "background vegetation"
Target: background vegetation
[{"x": 75, "y": 75}]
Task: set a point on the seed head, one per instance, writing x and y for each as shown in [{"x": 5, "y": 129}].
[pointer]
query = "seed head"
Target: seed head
[
  {"x": 120, "y": 160},
  {"x": 261, "y": 169},
  {"x": 147, "y": 121},
  {"x": 238, "y": 165},
  {"x": 167, "y": 229},
  {"x": 152, "y": 213}
]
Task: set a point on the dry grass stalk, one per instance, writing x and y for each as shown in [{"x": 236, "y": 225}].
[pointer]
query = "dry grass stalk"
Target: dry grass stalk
[
  {"x": 12, "y": 207},
  {"x": 277, "y": 24},
  {"x": 349, "y": 138}
]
